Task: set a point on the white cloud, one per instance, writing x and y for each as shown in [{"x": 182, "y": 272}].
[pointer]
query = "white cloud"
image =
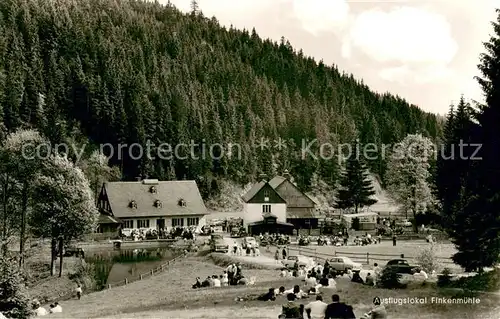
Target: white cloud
[
  {"x": 407, "y": 75},
  {"x": 321, "y": 15},
  {"x": 406, "y": 34}
]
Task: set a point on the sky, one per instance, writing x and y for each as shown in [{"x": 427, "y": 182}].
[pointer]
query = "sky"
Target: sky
[{"x": 424, "y": 51}]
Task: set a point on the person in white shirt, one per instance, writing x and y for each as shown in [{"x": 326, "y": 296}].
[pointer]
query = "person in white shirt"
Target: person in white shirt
[
  {"x": 257, "y": 251},
  {"x": 301, "y": 272},
  {"x": 280, "y": 291},
  {"x": 216, "y": 281},
  {"x": 311, "y": 282},
  {"x": 284, "y": 272},
  {"x": 225, "y": 280},
  {"x": 39, "y": 311},
  {"x": 55, "y": 308},
  {"x": 316, "y": 309},
  {"x": 78, "y": 291}
]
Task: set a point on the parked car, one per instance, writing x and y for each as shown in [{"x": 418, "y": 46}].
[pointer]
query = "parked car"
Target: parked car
[
  {"x": 249, "y": 240},
  {"x": 218, "y": 244},
  {"x": 342, "y": 264},
  {"x": 402, "y": 266},
  {"x": 303, "y": 261}
]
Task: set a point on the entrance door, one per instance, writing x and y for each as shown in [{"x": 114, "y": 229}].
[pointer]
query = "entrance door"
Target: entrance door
[{"x": 160, "y": 223}]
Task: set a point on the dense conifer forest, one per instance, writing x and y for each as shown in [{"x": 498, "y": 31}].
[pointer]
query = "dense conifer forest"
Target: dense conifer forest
[{"x": 111, "y": 71}]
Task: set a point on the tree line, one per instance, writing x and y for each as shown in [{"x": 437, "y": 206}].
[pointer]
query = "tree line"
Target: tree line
[{"x": 125, "y": 72}]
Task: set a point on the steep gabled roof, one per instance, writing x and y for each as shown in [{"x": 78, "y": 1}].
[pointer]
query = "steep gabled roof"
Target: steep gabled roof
[
  {"x": 168, "y": 193},
  {"x": 253, "y": 191},
  {"x": 277, "y": 181}
]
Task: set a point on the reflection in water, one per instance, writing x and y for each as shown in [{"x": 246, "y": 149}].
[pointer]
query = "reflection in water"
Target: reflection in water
[{"x": 112, "y": 266}]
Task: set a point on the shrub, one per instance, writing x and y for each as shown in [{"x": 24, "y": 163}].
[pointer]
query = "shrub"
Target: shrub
[
  {"x": 390, "y": 279},
  {"x": 444, "y": 279},
  {"x": 14, "y": 299},
  {"x": 427, "y": 259}
]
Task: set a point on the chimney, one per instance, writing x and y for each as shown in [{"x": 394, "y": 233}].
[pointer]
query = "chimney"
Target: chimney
[
  {"x": 286, "y": 174},
  {"x": 263, "y": 177}
]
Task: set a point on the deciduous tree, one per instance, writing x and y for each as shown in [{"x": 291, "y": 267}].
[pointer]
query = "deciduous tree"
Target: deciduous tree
[
  {"x": 64, "y": 208},
  {"x": 408, "y": 174}
]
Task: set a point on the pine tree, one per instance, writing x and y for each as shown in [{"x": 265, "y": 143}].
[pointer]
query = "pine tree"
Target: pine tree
[
  {"x": 14, "y": 298},
  {"x": 356, "y": 189},
  {"x": 194, "y": 7},
  {"x": 475, "y": 224}
]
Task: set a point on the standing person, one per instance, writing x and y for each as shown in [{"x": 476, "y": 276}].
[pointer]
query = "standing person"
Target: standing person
[
  {"x": 284, "y": 252},
  {"x": 338, "y": 310},
  {"x": 78, "y": 291},
  {"x": 277, "y": 256},
  {"x": 316, "y": 309},
  {"x": 394, "y": 239},
  {"x": 378, "y": 311}
]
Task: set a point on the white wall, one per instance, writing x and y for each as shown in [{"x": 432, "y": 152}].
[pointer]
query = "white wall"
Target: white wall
[
  {"x": 168, "y": 221},
  {"x": 253, "y": 213}
]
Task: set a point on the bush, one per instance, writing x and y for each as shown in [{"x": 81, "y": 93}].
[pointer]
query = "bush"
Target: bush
[
  {"x": 390, "y": 279},
  {"x": 14, "y": 299},
  {"x": 444, "y": 279},
  {"x": 427, "y": 259}
]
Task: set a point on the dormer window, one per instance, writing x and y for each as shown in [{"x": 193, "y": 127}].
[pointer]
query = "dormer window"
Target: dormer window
[
  {"x": 132, "y": 204},
  {"x": 158, "y": 204},
  {"x": 182, "y": 203},
  {"x": 152, "y": 190}
]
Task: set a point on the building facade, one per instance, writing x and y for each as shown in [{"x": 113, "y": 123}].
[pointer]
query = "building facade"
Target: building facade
[
  {"x": 153, "y": 204},
  {"x": 300, "y": 209}
]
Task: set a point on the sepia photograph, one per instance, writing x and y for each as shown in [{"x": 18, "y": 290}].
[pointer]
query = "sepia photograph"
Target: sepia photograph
[{"x": 267, "y": 159}]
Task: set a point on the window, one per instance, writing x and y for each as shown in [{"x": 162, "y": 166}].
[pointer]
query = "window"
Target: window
[
  {"x": 193, "y": 221},
  {"x": 182, "y": 203},
  {"x": 152, "y": 190},
  {"x": 158, "y": 203},
  {"x": 177, "y": 222},
  {"x": 128, "y": 224},
  {"x": 266, "y": 208},
  {"x": 133, "y": 204},
  {"x": 266, "y": 195},
  {"x": 143, "y": 223}
]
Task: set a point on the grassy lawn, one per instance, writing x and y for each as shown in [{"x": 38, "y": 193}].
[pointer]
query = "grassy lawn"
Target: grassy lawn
[{"x": 169, "y": 295}]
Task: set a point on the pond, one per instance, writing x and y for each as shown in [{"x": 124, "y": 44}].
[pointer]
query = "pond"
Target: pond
[{"x": 115, "y": 265}]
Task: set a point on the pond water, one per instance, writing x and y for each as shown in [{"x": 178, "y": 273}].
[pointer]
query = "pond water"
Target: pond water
[{"x": 115, "y": 265}]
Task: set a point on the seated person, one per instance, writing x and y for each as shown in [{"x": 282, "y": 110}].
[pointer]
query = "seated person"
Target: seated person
[
  {"x": 370, "y": 280},
  {"x": 257, "y": 251},
  {"x": 243, "y": 281},
  {"x": 299, "y": 294},
  {"x": 198, "y": 283},
  {"x": 207, "y": 282},
  {"x": 356, "y": 277},
  {"x": 331, "y": 282},
  {"x": 284, "y": 272},
  {"x": 291, "y": 309},
  {"x": 301, "y": 272},
  {"x": 269, "y": 296},
  {"x": 280, "y": 291},
  {"x": 225, "y": 279},
  {"x": 311, "y": 281},
  {"x": 324, "y": 281},
  {"x": 216, "y": 281},
  {"x": 55, "y": 308}
]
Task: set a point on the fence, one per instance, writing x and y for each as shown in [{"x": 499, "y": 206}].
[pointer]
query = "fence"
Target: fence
[
  {"x": 364, "y": 258},
  {"x": 151, "y": 273}
]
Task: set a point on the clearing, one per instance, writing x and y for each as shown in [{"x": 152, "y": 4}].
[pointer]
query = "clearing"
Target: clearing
[{"x": 169, "y": 295}]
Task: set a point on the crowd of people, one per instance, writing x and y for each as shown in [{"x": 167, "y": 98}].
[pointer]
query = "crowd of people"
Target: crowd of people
[{"x": 231, "y": 276}]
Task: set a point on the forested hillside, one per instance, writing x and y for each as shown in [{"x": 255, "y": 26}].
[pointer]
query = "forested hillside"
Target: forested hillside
[{"x": 116, "y": 72}]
